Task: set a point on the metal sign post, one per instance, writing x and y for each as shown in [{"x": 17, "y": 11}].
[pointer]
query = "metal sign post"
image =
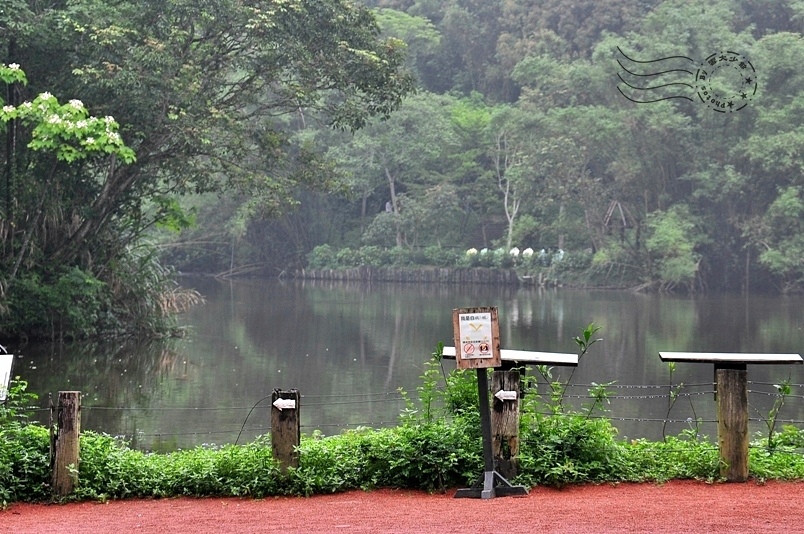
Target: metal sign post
[{"x": 477, "y": 342}]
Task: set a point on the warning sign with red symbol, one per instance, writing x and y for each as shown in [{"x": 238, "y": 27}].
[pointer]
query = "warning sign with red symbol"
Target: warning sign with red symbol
[{"x": 477, "y": 334}]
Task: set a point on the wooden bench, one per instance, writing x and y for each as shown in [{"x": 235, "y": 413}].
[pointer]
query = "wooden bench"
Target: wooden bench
[
  {"x": 730, "y": 359},
  {"x": 731, "y": 394}
]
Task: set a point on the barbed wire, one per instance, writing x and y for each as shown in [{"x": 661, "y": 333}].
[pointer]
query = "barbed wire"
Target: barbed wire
[
  {"x": 678, "y": 390},
  {"x": 692, "y": 394},
  {"x": 639, "y": 386},
  {"x": 776, "y": 394}
]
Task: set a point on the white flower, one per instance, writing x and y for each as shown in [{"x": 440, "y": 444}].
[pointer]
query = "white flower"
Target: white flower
[
  {"x": 54, "y": 119},
  {"x": 77, "y": 104},
  {"x": 13, "y": 66},
  {"x": 108, "y": 119},
  {"x": 8, "y": 109},
  {"x": 484, "y": 251},
  {"x": 26, "y": 105},
  {"x": 114, "y": 137},
  {"x": 46, "y": 96},
  {"x": 528, "y": 252},
  {"x": 81, "y": 124},
  {"x": 90, "y": 141},
  {"x": 471, "y": 252},
  {"x": 514, "y": 252}
]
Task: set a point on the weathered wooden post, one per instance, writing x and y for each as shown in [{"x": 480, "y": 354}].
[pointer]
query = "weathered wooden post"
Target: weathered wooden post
[
  {"x": 731, "y": 391},
  {"x": 505, "y": 421},
  {"x": 285, "y": 428},
  {"x": 66, "y": 443},
  {"x": 731, "y": 383}
]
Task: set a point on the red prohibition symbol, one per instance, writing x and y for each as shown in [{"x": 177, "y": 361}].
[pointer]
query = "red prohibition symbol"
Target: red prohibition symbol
[{"x": 468, "y": 348}]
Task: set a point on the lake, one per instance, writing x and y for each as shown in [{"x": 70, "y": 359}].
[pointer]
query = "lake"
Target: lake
[{"x": 349, "y": 348}]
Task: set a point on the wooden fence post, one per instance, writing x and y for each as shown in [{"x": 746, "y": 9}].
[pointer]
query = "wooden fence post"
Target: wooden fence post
[
  {"x": 505, "y": 421},
  {"x": 732, "y": 415},
  {"x": 66, "y": 443},
  {"x": 285, "y": 428}
]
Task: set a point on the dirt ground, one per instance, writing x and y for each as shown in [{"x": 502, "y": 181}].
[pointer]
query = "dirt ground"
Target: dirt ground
[{"x": 674, "y": 507}]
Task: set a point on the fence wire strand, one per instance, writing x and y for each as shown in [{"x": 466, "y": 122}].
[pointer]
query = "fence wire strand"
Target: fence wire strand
[{"x": 673, "y": 393}]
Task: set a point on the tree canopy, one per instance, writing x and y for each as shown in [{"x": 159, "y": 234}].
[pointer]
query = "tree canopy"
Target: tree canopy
[
  {"x": 205, "y": 94},
  {"x": 261, "y": 130}
]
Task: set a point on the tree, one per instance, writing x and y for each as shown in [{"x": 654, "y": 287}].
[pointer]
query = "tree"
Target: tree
[
  {"x": 781, "y": 236},
  {"x": 403, "y": 155},
  {"x": 203, "y": 91},
  {"x": 508, "y": 162}
]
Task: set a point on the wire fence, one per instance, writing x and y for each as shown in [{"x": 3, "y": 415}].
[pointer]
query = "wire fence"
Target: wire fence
[{"x": 688, "y": 405}]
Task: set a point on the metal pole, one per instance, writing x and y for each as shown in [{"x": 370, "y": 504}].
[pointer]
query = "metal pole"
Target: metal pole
[{"x": 485, "y": 427}]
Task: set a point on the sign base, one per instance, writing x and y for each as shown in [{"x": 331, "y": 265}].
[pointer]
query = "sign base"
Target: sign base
[{"x": 493, "y": 485}]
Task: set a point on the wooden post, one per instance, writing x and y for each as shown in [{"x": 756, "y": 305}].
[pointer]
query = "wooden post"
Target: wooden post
[
  {"x": 285, "y": 428},
  {"x": 505, "y": 422},
  {"x": 66, "y": 443},
  {"x": 731, "y": 383}
]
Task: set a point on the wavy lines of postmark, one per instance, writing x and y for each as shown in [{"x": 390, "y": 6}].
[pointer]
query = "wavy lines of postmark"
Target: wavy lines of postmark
[
  {"x": 654, "y": 80},
  {"x": 725, "y": 81}
]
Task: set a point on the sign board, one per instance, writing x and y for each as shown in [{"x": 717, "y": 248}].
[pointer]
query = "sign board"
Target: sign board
[
  {"x": 5, "y": 374},
  {"x": 477, "y": 337}
]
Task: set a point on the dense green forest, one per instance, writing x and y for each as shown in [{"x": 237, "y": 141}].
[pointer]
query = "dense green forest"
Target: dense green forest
[
  {"x": 521, "y": 135},
  {"x": 397, "y": 129}
]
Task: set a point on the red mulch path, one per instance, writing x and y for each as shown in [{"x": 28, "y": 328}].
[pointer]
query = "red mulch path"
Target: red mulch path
[{"x": 674, "y": 507}]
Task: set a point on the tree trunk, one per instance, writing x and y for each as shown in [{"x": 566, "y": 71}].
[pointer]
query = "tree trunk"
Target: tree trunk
[{"x": 395, "y": 205}]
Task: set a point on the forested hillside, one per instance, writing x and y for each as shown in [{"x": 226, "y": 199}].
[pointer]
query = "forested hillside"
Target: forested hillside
[
  {"x": 657, "y": 143},
  {"x": 521, "y": 135}
]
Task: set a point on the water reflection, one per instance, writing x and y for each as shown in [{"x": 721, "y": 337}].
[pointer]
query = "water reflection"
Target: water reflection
[{"x": 348, "y": 348}]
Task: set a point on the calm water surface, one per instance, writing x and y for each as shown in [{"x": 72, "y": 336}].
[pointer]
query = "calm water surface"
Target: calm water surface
[{"x": 349, "y": 348}]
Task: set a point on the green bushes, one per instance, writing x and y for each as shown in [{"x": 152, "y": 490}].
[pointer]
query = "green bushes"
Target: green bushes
[
  {"x": 436, "y": 446},
  {"x": 71, "y": 304},
  {"x": 24, "y": 449},
  {"x": 24, "y": 464},
  {"x": 431, "y": 456},
  {"x": 110, "y": 470},
  {"x": 135, "y": 296},
  {"x": 555, "y": 450},
  {"x": 559, "y": 450}
]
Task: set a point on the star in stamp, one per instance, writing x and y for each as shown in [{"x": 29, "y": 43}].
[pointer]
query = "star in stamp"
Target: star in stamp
[{"x": 724, "y": 82}]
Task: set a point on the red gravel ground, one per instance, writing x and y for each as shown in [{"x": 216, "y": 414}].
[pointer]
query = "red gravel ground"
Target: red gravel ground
[{"x": 674, "y": 507}]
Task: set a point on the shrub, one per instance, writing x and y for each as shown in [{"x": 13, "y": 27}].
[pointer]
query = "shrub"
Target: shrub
[
  {"x": 565, "y": 449},
  {"x": 70, "y": 303},
  {"x": 24, "y": 464},
  {"x": 321, "y": 257},
  {"x": 441, "y": 257},
  {"x": 374, "y": 256},
  {"x": 109, "y": 469}
]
